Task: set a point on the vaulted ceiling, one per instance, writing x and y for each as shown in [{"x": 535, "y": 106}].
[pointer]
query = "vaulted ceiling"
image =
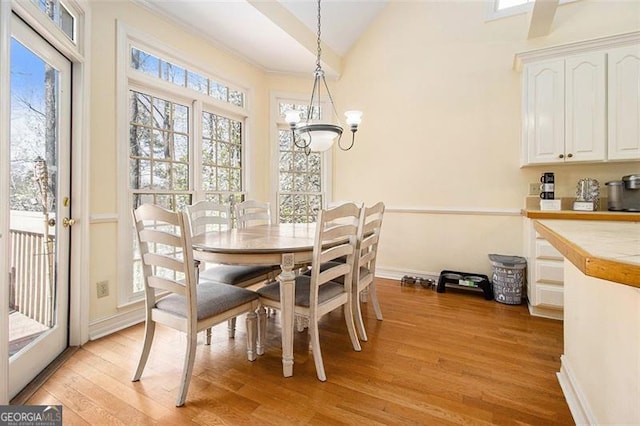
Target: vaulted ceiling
[{"x": 277, "y": 35}]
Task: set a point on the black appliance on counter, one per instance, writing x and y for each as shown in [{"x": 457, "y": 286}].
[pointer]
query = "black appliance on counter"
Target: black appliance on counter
[{"x": 624, "y": 195}]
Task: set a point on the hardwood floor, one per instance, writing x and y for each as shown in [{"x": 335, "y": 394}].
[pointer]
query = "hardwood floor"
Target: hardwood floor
[{"x": 448, "y": 358}]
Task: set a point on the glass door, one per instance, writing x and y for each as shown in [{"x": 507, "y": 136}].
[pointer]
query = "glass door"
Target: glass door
[{"x": 39, "y": 204}]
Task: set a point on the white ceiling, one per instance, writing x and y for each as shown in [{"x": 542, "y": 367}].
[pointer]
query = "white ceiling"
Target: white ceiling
[{"x": 277, "y": 35}]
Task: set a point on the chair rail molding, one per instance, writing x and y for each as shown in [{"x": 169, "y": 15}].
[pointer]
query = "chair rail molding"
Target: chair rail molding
[
  {"x": 104, "y": 218},
  {"x": 455, "y": 210}
]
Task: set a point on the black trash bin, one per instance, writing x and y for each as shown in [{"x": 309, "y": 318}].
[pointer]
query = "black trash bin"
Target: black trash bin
[{"x": 508, "y": 278}]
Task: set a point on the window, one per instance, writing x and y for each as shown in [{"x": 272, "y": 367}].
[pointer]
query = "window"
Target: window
[
  {"x": 60, "y": 15},
  {"x": 221, "y": 158},
  {"x": 185, "y": 143},
  {"x": 505, "y": 4},
  {"x": 496, "y": 9},
  {"x": 164, "y": 70},
  {"x": 300, "y": 192}
]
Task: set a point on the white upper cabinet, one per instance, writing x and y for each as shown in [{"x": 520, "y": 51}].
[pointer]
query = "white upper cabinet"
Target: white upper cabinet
[
  {"x": 581, "y": 101},
  {"x": 543, "y": 119},
  {"x": 564, "y": 110},
  {"x": 624, "y": 103},
  {"x": 585, "y": 107}
]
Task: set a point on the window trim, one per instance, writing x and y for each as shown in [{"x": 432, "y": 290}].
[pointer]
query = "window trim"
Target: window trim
[
  {"x": 74, "y": 49},
  {"x": 129, "y": 79},
  {"x": 327, "y": 157}
]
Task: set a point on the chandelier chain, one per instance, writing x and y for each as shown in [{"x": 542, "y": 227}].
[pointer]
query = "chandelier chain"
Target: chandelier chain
[{"x": 319, "y": 52}]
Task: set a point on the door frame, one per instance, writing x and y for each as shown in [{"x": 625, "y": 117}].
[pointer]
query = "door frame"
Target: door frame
[{"x": 78, "y": 54}]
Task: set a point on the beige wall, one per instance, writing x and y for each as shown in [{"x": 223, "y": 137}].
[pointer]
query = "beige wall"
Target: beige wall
[{"x": 441, "y": 127}]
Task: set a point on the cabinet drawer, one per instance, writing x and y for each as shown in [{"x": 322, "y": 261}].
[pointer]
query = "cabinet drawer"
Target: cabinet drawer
[
  {"x": 544, "y": 250},
  {"x": 550, "y": 296},
  {"x": 549, "y": 271}
]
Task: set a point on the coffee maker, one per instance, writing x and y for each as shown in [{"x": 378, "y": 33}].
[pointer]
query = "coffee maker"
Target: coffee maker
[{"x": 624, "y": 195}]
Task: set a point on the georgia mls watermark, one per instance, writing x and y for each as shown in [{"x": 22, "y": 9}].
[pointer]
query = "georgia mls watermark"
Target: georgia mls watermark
[{"x": 30, "y": 415}]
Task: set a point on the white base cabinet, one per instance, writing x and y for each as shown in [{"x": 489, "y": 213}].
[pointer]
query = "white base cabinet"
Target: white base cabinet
[{"x": 545, "y": 275}]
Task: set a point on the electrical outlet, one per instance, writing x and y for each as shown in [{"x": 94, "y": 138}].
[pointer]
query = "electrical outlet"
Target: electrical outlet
[
  {"x": 102, "y": 288},
  {"x": 534, "y": 188}
]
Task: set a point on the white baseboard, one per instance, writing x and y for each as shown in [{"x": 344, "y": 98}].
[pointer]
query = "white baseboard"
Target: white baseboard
[
  {"x": 396, "y": 274},
  {"x": 576, "y": 400},
  {"x": 536, "y": 311},
  {"x": 120, "y": 321}
]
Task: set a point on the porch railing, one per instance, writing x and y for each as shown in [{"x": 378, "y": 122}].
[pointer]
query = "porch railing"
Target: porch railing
[{"x": 31, "y": 291}]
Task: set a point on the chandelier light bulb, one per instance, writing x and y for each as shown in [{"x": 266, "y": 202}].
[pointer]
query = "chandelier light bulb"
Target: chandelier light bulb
[
  {"x": 292, "y": 117},
  {"x": 353, "y": 119}
]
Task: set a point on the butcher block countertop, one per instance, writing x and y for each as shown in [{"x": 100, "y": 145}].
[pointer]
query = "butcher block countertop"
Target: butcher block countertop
[
  {"x": 600, "y": 248},
  {"x": 576, "y": 215},
  {"x": 532, "y": 211}
]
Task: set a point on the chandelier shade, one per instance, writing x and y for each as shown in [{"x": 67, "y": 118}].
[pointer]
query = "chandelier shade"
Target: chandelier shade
[{"x": 319, "y": 136}]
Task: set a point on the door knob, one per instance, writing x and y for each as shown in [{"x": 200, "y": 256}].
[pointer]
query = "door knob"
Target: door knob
[
  {"x": 569, "y": 155},
  {"x": 561, "y": 156},
  {"x": 68, "y": 222},
  {"x": 51, "y": 222}
]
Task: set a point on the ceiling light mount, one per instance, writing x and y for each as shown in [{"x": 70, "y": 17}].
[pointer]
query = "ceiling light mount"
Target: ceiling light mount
[{"x": 311, "y": 134}]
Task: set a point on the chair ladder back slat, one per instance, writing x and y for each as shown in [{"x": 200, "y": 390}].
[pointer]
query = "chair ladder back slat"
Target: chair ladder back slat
[
  {"x": 163, "y": 261},
  {"x": 162, "y": 283},
  {"x": 331, "y": 274},
  {"x": 160, "y": 237},
  {"x": 207, "y": 215},
  {"x": 252, "y": 212}
]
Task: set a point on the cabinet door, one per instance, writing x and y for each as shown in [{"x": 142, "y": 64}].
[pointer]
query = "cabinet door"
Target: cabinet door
[
  {"x": 543, "y": 120},
  {"x": 585, "y": 135},
  {"x": 624, "y": 103}
]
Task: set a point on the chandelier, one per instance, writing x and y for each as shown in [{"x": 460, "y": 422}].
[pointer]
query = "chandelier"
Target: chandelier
[{"x": 311, "y": 134}]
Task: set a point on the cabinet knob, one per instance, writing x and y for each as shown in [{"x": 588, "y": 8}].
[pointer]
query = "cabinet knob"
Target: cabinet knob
[
  {"x": 561, "y": 156},
  {"x": 569, "y": 155}
]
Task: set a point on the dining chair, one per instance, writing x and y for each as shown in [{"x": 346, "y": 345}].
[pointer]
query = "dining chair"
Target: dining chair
[
  {"x": 207, "y": 216},
  {"x": 318, "y": 294},
  {"x": 364, "y": 285},
  {"x": 172, "y": 297},
  {"x": 252, "y": 212}
]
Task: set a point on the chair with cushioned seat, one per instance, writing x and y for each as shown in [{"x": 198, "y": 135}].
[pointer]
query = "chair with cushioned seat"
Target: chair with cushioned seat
[
  {"x": 207, "y": 216},
  {"x": 318, "y": 293},
  {"x": 365, "y": 265},
  {"x": 168, "y": 266},
  {"x": 364, "y": 285}
]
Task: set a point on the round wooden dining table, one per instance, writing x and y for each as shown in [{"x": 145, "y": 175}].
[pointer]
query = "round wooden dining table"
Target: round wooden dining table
[{"x": 284, "y": 244}]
